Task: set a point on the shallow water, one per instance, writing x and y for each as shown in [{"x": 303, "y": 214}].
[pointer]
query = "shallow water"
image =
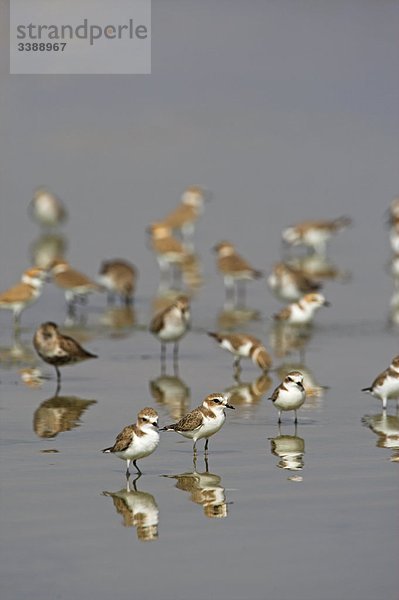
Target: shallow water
[{"x": 298, "y": 121}]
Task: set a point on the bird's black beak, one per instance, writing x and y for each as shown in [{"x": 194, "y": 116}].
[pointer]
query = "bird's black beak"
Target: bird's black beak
[
  {"x": 327, "y": 303},
  {"x": 230, "y": 406}
]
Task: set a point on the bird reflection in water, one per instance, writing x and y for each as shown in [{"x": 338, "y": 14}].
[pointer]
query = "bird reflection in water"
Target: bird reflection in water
[
  {"x": 47, "y": 248},
  {"x": 290, "y": 450},
  {"x": 173, "y": 393},
  {"x": 138, "y": 509},
  {"x": 285, "y": 339},
  {"x": 59, "y": 413},
  {"x": 231, "y": 317},
  {"x": 245, "y": 394},
  {"x": 18, "y": 354},
  {"x": 315, "y": 266},
  {"x": 118, "y": 320},
  {"x": 205, "y": 489},
  {"x": 386, "y": 427}
]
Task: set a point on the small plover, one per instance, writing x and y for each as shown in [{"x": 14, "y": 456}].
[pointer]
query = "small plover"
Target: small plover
[
  {"x": 290, "y": 394},
  {"x": 289, "y": 284},
  {"x": 386, "y": 384},
  {"x": 171, "y": 324},
  {"x": 303, "y": 311},
  {"x": 138, "y": 440},
  {"x": 203, "y": 421},
  {"x": 47, "y": 209},
  {"x": 57, "y": 349},
  {"x": 119, "y": 278},
  {"x": 185, "y": 215},
  {"x": 24, "y": 293},
  {"x": 234, "y": 269},
  {"x": 170, "y": 252},
  {"x": 314, "y": 234},
  {"x": 243, "y": 345},
  {"x": 76, "y": 286}
]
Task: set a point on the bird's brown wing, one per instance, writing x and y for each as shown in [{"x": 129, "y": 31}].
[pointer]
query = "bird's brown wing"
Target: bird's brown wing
[
  {"x": 190, "y": 422},
  {"x": 72, "y": 348},
  {"x": 16, "y": 293},
  {"x": 123, "y": 439}
]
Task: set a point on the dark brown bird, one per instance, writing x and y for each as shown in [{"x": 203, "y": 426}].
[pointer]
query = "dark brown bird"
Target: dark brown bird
[{"x": 57, "y": 349}]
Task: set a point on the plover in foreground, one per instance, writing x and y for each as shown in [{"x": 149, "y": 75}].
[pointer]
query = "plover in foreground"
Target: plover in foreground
[
  {"x": 290, "y": 394},
  {"x": 138, "y": 440},
  {"x": 119, "y": 278},
  {"x": 242, "y": 345},
  {"x": 314, "y": 234},
  {"x": 171, "y": 324},
  {"x": 203, "y": 421},
  {"x": 24, "y": 293},
  {"x": 303, "y": 311},
  {"x": 57, "y": 349},
  {"x": 234, "y": 269},
  {"x": 386, "y": 384}
]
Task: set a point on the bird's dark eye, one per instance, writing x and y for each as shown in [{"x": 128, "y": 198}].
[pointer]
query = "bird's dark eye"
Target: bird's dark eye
[
  {"x": 217, "y": 400},
  {"x": 290, "y": 379},
  {"x": 144, "y": 419}
]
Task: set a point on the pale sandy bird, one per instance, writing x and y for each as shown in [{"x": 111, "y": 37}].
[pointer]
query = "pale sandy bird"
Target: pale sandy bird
[
  {"x": 57, "y": 349},
  {"x": 290, "y": 394},
  {"x": 24, "y": 293},
  {"x": 203, "y": 421},
  {"x": 137, "y": 441},
  {"x": 242, "y": 345},
  {"x": 386, "y": 385},
  {"x": 119, "y": 278},
  {"x": 47, "y": 209},
  {"x": 75, "y": 285},
  {"x": 314, "y": 234},
  {"x": 170, "y": 252},
  {"x": 170, "y": 325},
  {"x": 183, "y": 218},
  {"x": 234, "y": 269},
  {"x": 303, "y": 311},
  {"x": 138, "y": 509},
  {"x": 288, "y": 284}
]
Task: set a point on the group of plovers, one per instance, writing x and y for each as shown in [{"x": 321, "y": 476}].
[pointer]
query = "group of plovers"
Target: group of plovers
[{"x": 171, "y": 240}]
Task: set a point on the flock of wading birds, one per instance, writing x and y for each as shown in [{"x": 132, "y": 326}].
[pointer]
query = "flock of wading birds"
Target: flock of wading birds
[{"x": 295, "y": 282}]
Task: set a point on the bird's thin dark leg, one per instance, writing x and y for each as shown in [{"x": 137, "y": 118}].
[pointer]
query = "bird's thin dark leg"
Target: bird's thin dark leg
[
  {"x": 206, "y": 445},
  {"x": 127, "y": 468},
  {"x": 241, "y": 293},
  {"x": 163, "y": 356},
  {"x": 279, "y": 416},
  {"x": 296, "y": 418},
  {"x": 206, "y": 463},
  {"x": 137, "y": 469},
  {"x": 175, "y": 354}
]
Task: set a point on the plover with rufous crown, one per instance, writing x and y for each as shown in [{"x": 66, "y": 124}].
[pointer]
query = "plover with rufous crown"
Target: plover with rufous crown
[
  {"x": 171, "y": 324},
  {"x": 76, "y": 285},
  {"x": 289, "y": 284},
  {"x": 290, "y": 394},
  {"x": 314, "y": 234},
  {"x": 24, "y": 293},
  {"x": 234, "y": 269},
  {"x": 386, "y": 384},
  {"x": 119, "y": 278},
  {"x": 137, "y": 441},
  {"x": 242, "y": 345},
  {"x": 57, "y": 349},
  {"x": 203, "y": 421},
  {"x": 303, "y": 311}
]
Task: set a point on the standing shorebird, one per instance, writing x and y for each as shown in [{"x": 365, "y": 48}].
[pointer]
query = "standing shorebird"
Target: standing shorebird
[
  {"x": 76, "y": 286},
  {"x": 185, "y": 215},
  {"x": 314, "y": 234},
  {"x": 47, "y": 209},
  {"x": 203, "y": 421},
  {"x": 171, "y": 324},
  {"x": 170, "y": 252},
  {"x": 138, "y": 440},
  {"x": 119, "y": 278},
  {"x": 234, "y": 269},
  {"x": 290, "y": 394},
  {"x": 289, "y": 284},
  {"x": 386, "y": 384},
  {"x": 242, "y": 345},
  {"x": 303, "y": 311},
  {"x": 24, "y": 293},
  {"x": 57, "y": 349}
]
